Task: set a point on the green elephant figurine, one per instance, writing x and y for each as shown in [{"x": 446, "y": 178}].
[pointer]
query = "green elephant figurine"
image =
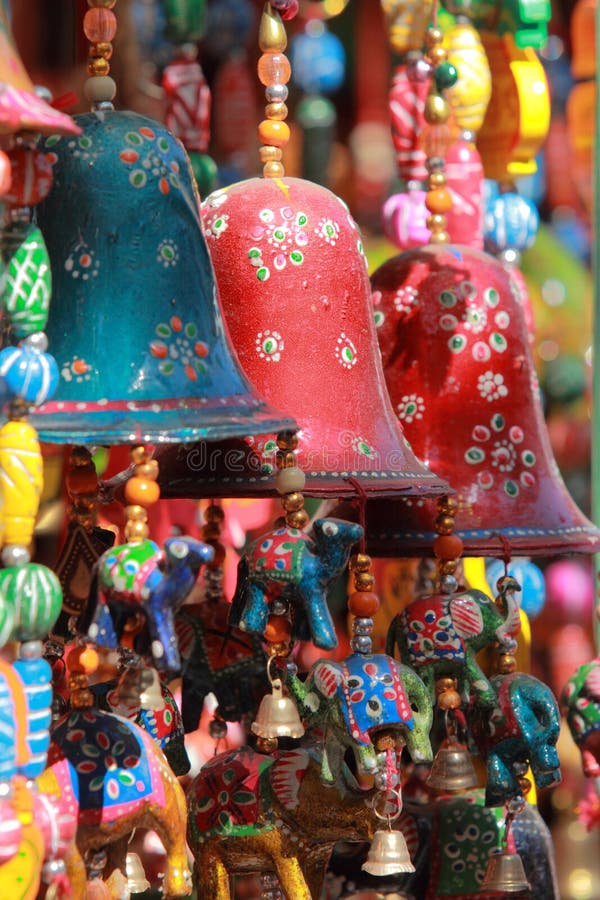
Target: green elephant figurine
[
  {"x": 354, "y": 700},
  {"x": 441, "y": 634}
]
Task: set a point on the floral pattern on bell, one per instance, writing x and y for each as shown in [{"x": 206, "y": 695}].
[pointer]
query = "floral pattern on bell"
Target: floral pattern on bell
[
  {"x": 269, "y": 345},
  {"x": 82, "y": 263},
  {"x": 499, "y": 452},
  {"x": 177, "y": 345}
]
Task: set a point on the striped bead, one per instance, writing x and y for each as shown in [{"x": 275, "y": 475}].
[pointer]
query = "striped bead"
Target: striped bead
[
  {"x": 21, "y": 481},
  {"x": 29, "y": 374},
  {"x": 36, "y": 676},
  {"x": 34, "y": 593},
  {"x": 28, "y": 280}
]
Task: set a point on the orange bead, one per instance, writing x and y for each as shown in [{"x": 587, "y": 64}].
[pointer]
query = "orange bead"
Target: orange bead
[
  {"x": 274, "y": 68},
  {"x": 363, "y": 603},
  {"x": 439, "y": 200},
  {"x": 276, "y": 134},
  {"x": 278, "y": 630},
  {"x": 99, "y": 25},
  {"x": 82, "y": 661},
  {"x": 447, "y": 546},
  {"x": 141, "y": 491}
]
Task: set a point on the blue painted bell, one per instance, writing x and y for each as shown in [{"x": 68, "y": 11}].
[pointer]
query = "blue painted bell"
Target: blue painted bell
[{"x": 135, "y": 323}]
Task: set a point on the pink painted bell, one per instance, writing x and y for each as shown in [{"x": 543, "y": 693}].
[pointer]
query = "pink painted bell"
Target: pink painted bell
[
  {"x": 295, "y": 292},
  {"x": 461, "y": 379}
]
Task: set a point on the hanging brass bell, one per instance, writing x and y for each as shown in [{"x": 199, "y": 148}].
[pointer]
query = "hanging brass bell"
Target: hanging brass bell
[
  {"x": 388, "y": 854},
  {"x": 505, "y": 873},
  {"x": 136, "y": 877},
  {"x": 452, "y": 769},
  {"x": 277, "y": 715},
  {"x": 152, "y": 696}
]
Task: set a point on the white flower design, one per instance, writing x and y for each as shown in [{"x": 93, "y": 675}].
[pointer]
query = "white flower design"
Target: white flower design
[
  {"x": 491, "y": 386},
  {"x": 328, "y": 230},
  {"x": 406, "y": 299},
  {"x": 269, "y": 345},
  {"x": 411, "y": 407}
]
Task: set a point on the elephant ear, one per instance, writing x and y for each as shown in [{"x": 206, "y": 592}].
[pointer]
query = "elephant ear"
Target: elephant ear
[
  {"x": 286, "y": 777},
  {"x": 466, "y": 614},
  {"x": 327, "y": 678}
]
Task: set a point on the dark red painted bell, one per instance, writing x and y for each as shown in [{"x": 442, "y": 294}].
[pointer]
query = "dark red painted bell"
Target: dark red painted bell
[
  {"x": 293, "y": 283},
  {"x": 462, "y": 382}
]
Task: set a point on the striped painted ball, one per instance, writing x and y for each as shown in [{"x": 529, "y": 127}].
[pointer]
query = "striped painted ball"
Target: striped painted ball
[
  {"x": 28, "y": 280},
  {"x": 510, "y": 222},
  {"x": 34, "y": 594},
  {"x": 29, "y": 374}
]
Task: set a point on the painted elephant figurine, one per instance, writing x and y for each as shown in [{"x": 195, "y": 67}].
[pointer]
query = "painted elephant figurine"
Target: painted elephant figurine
[
  {"x": 289, "y": 566},
  {"x": 248, "y": 812},
  {"x": 218, "y": 658},
  {"x": 139, "y": 577},
  {"x": 520, "y": 731},
  {"x": 110, "y": 773},
  {"x": 355, "y": 699},
  {"x": 580, "y": 701},
  {"x": 441, "y": 635}
]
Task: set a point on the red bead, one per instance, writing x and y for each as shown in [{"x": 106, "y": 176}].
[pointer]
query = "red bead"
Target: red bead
[
  {"x": 99, "y": 25},
  {"x": 447, "y": 546},
  {"x": 363, "y": 603}
]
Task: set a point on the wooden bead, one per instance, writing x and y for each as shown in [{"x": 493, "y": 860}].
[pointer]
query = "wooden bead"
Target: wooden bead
[
  {"x": 363, "y": 581},
  {"x": 447, "y": 546},
  {"x": 100, "y": 89},
  {"x": 277, "y": 111},
  {"x": 142, "y": 491},
  {"x": 98, "y": 66},
  {"x": 278, "y": 629},
  {"x": 290, "y": 480},
  {"x": 99, "y": 25},
  {"x": 363, "y": 603},
  {"x": 276, "y": 134},
  {"x": 273, "y": 170},
  {"x": 297, "y": 519},
  {"x": 439, "y": 200},
  {"x": 274, "y": 68}
]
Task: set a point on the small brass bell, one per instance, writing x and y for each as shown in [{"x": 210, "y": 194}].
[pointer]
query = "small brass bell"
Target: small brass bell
[
  {"x": 136, "y": 877},
  {"x": 277, "y": 715},
  {"x": 452, "y": 769},
  {"x": 152, "y": 696},
  {"x": 388, "y": 854},
  {"x": 505, "y": 873}
]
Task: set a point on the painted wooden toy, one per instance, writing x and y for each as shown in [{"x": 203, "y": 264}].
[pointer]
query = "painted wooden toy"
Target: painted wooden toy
[
  {"x": 441, "y": 635},
  {"x": 218, "y": 658},
  {"x": 289, "y": 568},
  {"x": 354, "y": 700},
  {"x": 112, "y": 775},
  {"x": 140, "y": 577},
  {"x": 250, "y": 812},
  {"x": 521, "y": 730},
  {"x": 580, "y": 701}
]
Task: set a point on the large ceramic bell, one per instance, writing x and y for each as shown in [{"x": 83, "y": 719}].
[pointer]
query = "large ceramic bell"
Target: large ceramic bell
[
  {"x": 21, "y": 109},
  {"x": 135, "y": 324},
  {"x": 462, "y": 382},
  {"x": 293, "y": 281}
]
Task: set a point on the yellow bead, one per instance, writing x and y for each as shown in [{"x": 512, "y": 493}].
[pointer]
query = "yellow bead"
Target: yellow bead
[
  {"x": 436, "y": 222},
  {"x": 270, "y": 154},
  {"x": 437, "y": 55},
  {"x": 433, "y": 36},
  {"x": 275, "y": 134},
  {"x": 102, "y": 49},
  {"x": 21, "y": 480},
  {"x": 437, "y": 110},
  {"x": 277, "y": 111},
  {"x": 437, "y": 179},
  {"x": 98, "y": 66},
  {"x": 273, "y": 170}
]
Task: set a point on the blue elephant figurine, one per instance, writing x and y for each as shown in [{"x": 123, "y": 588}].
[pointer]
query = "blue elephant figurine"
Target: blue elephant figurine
[
  {"x": 441, "y": 634},
  {"x": 520, "y": 731},
  {"x": 139, "y": 577},
  {"x": 289, "y": 566},
  {"x": 354, "y": 700}
]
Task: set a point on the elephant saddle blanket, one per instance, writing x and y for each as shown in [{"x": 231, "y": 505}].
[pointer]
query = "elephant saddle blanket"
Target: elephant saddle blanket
[{"x": 280, "y": 554}]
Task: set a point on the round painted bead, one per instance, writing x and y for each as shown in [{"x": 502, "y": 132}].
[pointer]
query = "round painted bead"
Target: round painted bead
[
  {"x": 289, "y": 480},
  {"x": 30, "y": 375},
  {"x": 274, "y": 68},
  {"x": 447, "y": 546},
  {"x": 363, "y": 603},
  {"x": 510, "y": 222},
  {"x": 34, "y": 593},
  {"x": 99, "y": 25},
  {"x": 445, "y": 76},
  {"x": 100, "y": 89},
  {"x": 439, "y": 200},
  {"x": 31, "y": 173},
  {"x": 274, "y": 134},
  {"x": 28, "y": 283},
  {"x": 142, "y": 491}
]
